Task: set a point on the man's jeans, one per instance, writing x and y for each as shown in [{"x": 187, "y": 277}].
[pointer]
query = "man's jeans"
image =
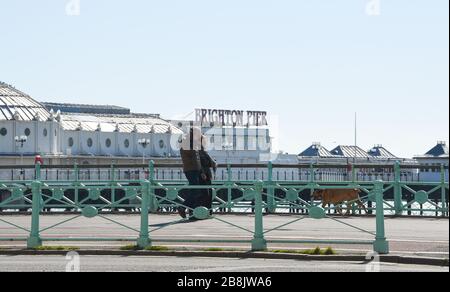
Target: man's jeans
[{"x": 193, "y": 196}]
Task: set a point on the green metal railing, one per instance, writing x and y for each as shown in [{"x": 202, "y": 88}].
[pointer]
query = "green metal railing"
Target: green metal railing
[
  {"x": 146, "y": 193},
  {"x": 401, "y": 197},
  {"x": 89, "y": 198}
]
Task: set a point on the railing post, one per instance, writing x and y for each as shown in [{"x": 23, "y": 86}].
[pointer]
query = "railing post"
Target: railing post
[
  {"x": 270, "y": 189},
  {"x": 443, "y": 199},
  {"x": 151, "y": 171},
  {"x": 398, "y": 205},
  {"x": 311, "y": 173},
  {"x": 380, "y": 245},
  {"x": 112, "y": 183},
  {"x": 311, "y": 182},
  {"x": 76, "y": 191},
  {"x": 37, "y": 171},
  {"x": 353, "y": 173},
  {"x": 229, "y": 184},
  {"x": 258, "y": 242},
  {"x": 151, "y": 177},
  {"x": 144, "y": 236},
  {"x": 35, "y": 240},
  {"x": 113, "y": 173},
  {"x": 76, "y": 172}
]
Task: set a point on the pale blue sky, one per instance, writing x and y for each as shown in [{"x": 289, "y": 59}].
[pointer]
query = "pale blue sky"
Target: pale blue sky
[{"x": 311, "y": 62}]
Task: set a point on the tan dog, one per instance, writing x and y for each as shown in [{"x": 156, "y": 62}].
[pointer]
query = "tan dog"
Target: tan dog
[{"x": 338, "y": 197}]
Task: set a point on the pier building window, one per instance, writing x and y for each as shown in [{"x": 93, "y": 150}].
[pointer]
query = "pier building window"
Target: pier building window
[
  {"x": 27, "y": 132},
  {"x": 3, "y": 131},
  {"x": 108, "y": 143},
  {"x": 126, "y": 143},
  {"x": 90, "y": 142},
  {"x": 252, "y": 142},
  {"x": 161, "y": 144},
  {"x": 240, "y": 142},
  {"x": 45, "y": 132},
  {"x": 70, "y": 142}
]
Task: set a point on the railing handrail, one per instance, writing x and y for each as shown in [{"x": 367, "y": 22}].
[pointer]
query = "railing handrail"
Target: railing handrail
[{"x": 255, "y": 165}]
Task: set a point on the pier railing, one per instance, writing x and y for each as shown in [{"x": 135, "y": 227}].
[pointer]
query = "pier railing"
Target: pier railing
[
  {"x": 401, "y": 197},
  {"x": 249, "y": 172}
]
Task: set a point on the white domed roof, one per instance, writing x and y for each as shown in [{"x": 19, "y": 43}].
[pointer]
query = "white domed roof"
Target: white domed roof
[
  {"x": 16, "y": 105},
  {"x": 117, "y": 123}
]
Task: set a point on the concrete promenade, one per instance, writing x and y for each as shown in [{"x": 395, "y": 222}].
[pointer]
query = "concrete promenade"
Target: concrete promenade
[
  {"x": 205, "y": 265},
  {"x": 407, "y": 236}
]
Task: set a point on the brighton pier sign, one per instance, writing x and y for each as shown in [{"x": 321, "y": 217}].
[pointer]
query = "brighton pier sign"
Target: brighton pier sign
[{"x": 230, "y": 118}]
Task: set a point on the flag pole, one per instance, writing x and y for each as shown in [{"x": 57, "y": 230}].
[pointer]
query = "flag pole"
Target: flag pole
[{"x": 356, "y": 141}]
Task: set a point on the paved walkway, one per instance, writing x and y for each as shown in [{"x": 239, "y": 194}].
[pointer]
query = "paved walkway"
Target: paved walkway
[
  {"x": 407, "y": 236},
  {"x": 176, "y": 264}
]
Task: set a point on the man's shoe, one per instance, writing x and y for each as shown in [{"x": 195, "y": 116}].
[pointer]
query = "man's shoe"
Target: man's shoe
[{"x": 182, "y": 212}]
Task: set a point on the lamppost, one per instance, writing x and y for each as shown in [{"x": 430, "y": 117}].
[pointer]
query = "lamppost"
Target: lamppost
[
  {"x": 144, "y": 143},
  {"x": 20, "y": 140}
]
